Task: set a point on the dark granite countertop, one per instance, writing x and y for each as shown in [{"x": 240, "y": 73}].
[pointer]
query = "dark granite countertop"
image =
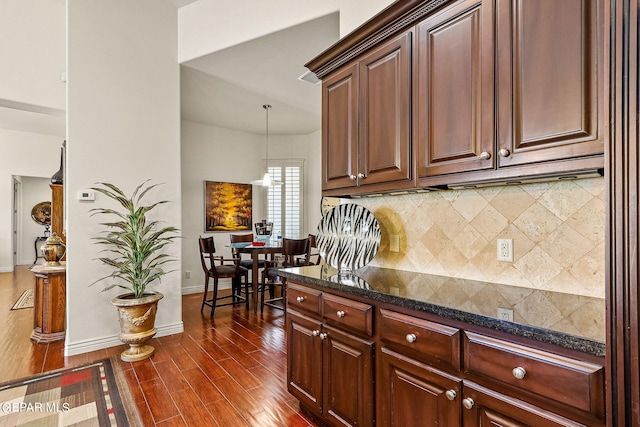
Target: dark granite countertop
[{"x": 570, "y": 321}]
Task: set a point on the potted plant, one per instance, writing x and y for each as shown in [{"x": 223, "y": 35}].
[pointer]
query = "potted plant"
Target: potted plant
[{"x": 133, "y": 247}]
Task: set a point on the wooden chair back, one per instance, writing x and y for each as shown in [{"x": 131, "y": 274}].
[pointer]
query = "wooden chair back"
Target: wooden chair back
[{"x": 296, "y": 251}]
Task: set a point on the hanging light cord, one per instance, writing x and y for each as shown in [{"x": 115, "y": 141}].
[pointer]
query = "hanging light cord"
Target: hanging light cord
[{"x": 267, "y": 107}]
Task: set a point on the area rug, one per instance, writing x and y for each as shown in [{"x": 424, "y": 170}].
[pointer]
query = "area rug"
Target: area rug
[
  {"x": 24, "y": 301},
  {"x": 95, "y": 394}
]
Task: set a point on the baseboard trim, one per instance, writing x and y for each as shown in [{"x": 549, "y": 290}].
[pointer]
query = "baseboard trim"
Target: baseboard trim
[
  {"x": 6, "y": 270},
  {"x": 198, "y": 289},
  {"x": 86, "y": 346}
]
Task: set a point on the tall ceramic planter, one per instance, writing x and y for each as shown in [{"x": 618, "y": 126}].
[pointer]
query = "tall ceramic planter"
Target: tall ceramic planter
[{"x": 137, "y": 323}]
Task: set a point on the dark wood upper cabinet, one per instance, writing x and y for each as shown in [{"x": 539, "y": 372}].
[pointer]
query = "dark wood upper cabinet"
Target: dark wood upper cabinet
[
  {"x": 546, "y": 59},
  {"x": 466, "y": 91},
  {"x": 455, "y": 90},
  {"x": 550, "y": 80},
  {"x": 385, "y": 125},
  {"x": 366, "y": 135},
  {"x": 340, "y": 129}
]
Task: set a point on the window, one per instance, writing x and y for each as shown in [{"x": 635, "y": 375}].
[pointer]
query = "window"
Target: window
[{"x": 284, "y": 203}]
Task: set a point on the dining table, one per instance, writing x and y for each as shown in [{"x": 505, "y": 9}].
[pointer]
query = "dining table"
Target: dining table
[{"x": 268, "y": 248}]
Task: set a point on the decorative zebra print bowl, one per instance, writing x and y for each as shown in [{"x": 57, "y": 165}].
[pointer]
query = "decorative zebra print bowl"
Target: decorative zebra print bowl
[{"x": 348, "y": 237}]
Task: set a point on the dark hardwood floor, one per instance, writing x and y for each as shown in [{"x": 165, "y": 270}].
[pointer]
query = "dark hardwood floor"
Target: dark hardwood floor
[{"x": 228, "y": 372}]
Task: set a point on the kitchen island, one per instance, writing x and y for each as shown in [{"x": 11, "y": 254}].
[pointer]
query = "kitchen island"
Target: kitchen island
[{"x": 402, "y": 348}]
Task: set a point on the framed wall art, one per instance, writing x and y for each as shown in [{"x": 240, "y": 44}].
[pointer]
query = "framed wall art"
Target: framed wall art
[{"x": 227, "y": 206}]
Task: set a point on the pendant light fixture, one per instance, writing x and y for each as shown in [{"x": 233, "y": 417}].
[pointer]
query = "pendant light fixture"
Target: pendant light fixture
[{"x": 266, "y": 180}]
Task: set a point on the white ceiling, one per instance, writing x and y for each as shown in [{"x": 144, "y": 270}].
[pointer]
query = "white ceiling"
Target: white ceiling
[{"x": 228, "y": 88}]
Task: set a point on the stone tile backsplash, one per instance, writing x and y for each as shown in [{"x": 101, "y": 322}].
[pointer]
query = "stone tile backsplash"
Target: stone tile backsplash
[{"x": 557, "y": 230}]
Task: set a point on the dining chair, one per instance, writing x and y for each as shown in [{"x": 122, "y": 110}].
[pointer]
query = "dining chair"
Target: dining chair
[
  {"x": 314, "y": 255},
  {"x": 295, "y": 252},
  {"x": 244, "y": 238},
  {"x": 214, "y": 266}
]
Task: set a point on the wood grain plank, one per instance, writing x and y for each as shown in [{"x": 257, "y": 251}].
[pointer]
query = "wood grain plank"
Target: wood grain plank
[
  {"x": 202, "y": 386},
  {"x": 159, "y": 400},
  {"x": 192, "y": 409},
  {"x": 171, "y": 376}
]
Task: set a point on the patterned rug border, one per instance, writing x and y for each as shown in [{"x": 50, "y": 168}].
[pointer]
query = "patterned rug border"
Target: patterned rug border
[
  {"x": 22, "y": 300},
  {"x": 114, "y": 373}
]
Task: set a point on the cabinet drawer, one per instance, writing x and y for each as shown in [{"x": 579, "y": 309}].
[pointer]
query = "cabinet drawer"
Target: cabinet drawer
[
  {"x": 421, "y": 338},
  {"x": 348, "y": 314},
  {"x": 305, "y": 299},
  {"x": 568, "y": 381}
]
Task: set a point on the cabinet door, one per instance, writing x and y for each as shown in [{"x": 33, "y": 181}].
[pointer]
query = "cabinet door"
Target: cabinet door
[
  {"x": 456, "y": 90},
  {"x": 348, "y": 379},
  {"x": 550, "y": 80},
  {"x": 411, "y": 393},
  {"x": 340, "y": 129},
  {"x": 304, "y": 360},
  {"x": 385, "y": 109},
  {"x": 484, "y": 407}
]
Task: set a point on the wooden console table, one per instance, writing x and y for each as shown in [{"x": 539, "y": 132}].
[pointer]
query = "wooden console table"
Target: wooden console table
[{"x": 49, "y": 304}]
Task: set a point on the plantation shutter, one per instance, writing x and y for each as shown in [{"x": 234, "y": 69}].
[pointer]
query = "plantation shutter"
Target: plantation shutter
[{"x": 285, "y": 202}]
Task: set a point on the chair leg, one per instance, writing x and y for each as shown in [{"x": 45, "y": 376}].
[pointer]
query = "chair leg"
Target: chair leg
[
  {"x": 206, "y": 291},
  {"x": 246, "y": 290},
  {"x": 234, "y": 289},
  {"x": 215, "y": 296},
  {"x": 264, "y": 283}
]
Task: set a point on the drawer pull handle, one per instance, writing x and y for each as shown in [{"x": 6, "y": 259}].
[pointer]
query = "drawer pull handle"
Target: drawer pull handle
[
  {"x": 411, "y": 338},
  {"x": 485, "y": 155},
  {"x": 519, "y": 373},
  {"x": 300, "y": 299},
  {"x": 341, "y": 314},
  {"x": 323, "y": 336},
  {"x": 315, "y": 332},
  {"x": 352, "y": 177},
  {"x": 361, "y": 175},
  {"x": 451, "y": 394},
  {"x": 504, "y": 152},
  {"x": 468, "y": 403}
]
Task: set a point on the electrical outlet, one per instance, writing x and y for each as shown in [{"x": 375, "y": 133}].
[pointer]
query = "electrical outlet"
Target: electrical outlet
[
  {"x": 187, "y": 274},
  {"x": 505, "y": 314},
  {"x": 505, "y": 250}
]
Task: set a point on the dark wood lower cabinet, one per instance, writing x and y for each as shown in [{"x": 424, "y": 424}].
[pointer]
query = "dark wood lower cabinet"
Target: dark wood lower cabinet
[
  {"x": 412, "y": 394},
  {"x": 348, "y": 371},
  {"x": 485, "y": 407},
  {"x": 304, "y": 366},
  {"x": 330, "y": 371},
  {"x": 428, "y": 372}
]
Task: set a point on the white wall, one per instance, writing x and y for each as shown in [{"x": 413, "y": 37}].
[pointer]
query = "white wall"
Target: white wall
[
  {"x": 211, "y": 153},
  {"x": 207, "y": 26},
  {"x": 123, "y": 126},
  {"x": 33, "y": 52},
  {"x": 21, "y": 154},
  {"x": 33, "y": 190}
]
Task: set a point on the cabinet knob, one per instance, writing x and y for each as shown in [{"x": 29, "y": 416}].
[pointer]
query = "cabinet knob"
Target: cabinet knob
[
  {"x": 340, "y": 314},
  {"x": 485, "y": 155},
  {"x": 315, "y": 332},
  {"x": 361, "y": 175},
  {"x": 300, "y": 299},
  {"x": 352, "y": 177},
  {"x": 411, "y": 338},
  {"x": 451, "y": 394},
  {"x": 323, "y": 336},
  {"x": 504, "y": 152},
  {"x": 468, "y": 403},
  {"x": 519, "y": 373}
]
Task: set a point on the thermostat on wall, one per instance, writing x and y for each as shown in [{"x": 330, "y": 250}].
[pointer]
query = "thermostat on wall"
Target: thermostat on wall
[{"x": 86, "y": 195}]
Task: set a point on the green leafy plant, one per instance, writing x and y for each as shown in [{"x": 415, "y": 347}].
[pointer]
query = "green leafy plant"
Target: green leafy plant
[{"x": 133, "y": 244}]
